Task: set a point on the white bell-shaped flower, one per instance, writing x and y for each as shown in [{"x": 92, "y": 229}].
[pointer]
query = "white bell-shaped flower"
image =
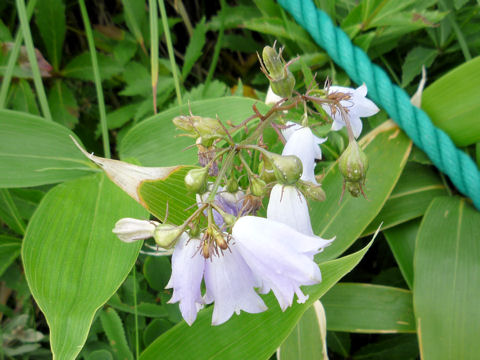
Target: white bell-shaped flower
[
  {"x": 230, "y": 284},
  {"x": 357, "y": 106},
  {"x": 280, "y": 257},
  {"x": 302, "y": 143},
  {"x": 188, "y": 265}
]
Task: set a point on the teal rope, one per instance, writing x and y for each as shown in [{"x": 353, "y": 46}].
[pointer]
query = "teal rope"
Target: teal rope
[{"x": 415, "y": 122}]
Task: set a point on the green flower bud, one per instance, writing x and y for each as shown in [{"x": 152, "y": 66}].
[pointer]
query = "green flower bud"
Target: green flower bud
[
  {"x": 266, "y": 172},
  {"x": 354, "y": 188},
  {"x": 232, "y": 185},
  {"x": 206, "y": 129},
  {"x": 166, "y": 235},
  {"x": 257, "y": 186},
  {"x": 281, "y": 79},
  {"x": 353, "y": 163},
  {"x": 196, "y": 180},
  {"x": 287, "y": 169},
  {"x": 311, "y": 190}
]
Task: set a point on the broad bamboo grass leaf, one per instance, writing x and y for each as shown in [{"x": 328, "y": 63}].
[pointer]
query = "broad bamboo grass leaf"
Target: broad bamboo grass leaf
[
  {"x": 401, "y": 240},
  {"x": 73, "y": 262},
  {"x": 35, "y": 152},
  {"x": 417, "y": 187},
  {"x": 447, "y": 280},
  {"x": 153, "y": 142},
  {"x": 367, "y": 308},
  {"x": 247, "y": 336},
  {"x": 452, "y": 103},
  {"x": 194, "y": 48},
  {"x": 387, "y": 148},
  {"x": 308, "y": 338}
]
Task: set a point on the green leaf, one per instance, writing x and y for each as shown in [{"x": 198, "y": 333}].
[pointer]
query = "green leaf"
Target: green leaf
[
  {"x": 307, "y": 339},
  {"x": 73, "y": 262},
  {"x": 9, "y": 251},
  {"x": 63, "y": 104},
  {"x": 80, "y": 67},
  {"x": 100, "y": 355},
  {"x": 9, "y": 213},
  {"x": 367, "y": 308},
  {"x": 416, "y": 58},
  {"x": 417, "y": 187},
  {"x": 387, "y": 150},
  {"x": 397, "y": 347},
  {"x": 153, "y": 143},
  {"x": 157, "y": 270},
  {"x": 50, "y": 19},
  {"x": 135, "y": 16},
  {"x": 195, "y": 47},
  {"x": 112, "y": 324},
  {"x": 452, "y": 103},
  {"x": 22, "y": 98},
  {"x": 247, "y": 336},
  {"x": 447, "y": 280},
  {"x": 34, "y": 151},
  {"x": 401, "y": 240},
  {"x": 143, "y": 309},
  {"x": 156, "y": 328}
]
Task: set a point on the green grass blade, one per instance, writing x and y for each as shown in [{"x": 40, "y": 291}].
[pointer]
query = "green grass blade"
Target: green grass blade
[
  {"x": 37, "y": 79},
  {"x": 171, "y": 54},
  {"x": 152, "y": 4},
  {"x": 7, "y": 77},
  {"x": 98, "y": 81}
]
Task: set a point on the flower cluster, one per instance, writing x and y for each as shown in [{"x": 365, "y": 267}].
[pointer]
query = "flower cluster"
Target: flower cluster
[{"x": 224, "y": 248}]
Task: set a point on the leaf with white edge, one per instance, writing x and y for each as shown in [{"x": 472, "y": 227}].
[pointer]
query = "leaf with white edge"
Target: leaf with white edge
[
  {"x": 34, "y": 151},
  {"x": 161, "y": 190},
  {"x": 246, "y": 336},
  {"x": 73, "y": 262},
  {"x": 307, "y": 341},
  {"x": 447, "y": 280},
  {"x": 367, "y": 308}
]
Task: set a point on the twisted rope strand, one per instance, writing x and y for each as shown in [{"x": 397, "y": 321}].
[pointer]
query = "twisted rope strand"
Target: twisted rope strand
[{"x": 454, "y": 162}]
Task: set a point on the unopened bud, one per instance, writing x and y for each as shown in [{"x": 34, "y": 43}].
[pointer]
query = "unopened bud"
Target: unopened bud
[
  {"x": 281, "y": 79},
  {"x": 311, "y": 190},
  {"x": 257, "y": 186},
  {"x": 354, "y": 188},
  {"x": 353, "y": 163},
  {"x": 196, "y": 180},
  {"x": 232, "y": 185},
  {"x": 206, "y": 129},
  {"x": 219, "y": 239},
  {"x": 266, "y": 172},
  {"x": 287, "y": 168},
  {"x": 166, "y": 235},
  {"x": 130, "y": 230},
  {"x": 206, "y": 249}
]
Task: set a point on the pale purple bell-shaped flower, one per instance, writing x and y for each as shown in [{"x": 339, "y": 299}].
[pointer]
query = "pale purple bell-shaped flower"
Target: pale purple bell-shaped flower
[
  {"x": 302, "y": 143},
  {"x": 271, "y": 98},
  {"x": 188, "y": 266},
  {"x": 357, "y": 106},
  {"x": 288, "y": 205},
  {"x": 280, "y": 257},
  {"x": 231, "y": 286}
]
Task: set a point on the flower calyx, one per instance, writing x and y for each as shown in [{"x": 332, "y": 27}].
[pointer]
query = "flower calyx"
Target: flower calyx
[
  {"x": 311, "y": 191},
  {"x": 196, "y": 180},
  {"x": 206, "y": 129},
  {"x": 166, "y": 235}
]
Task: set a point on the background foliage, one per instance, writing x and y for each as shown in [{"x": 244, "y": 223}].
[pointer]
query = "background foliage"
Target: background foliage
[{"x": 101, "y": 71}]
